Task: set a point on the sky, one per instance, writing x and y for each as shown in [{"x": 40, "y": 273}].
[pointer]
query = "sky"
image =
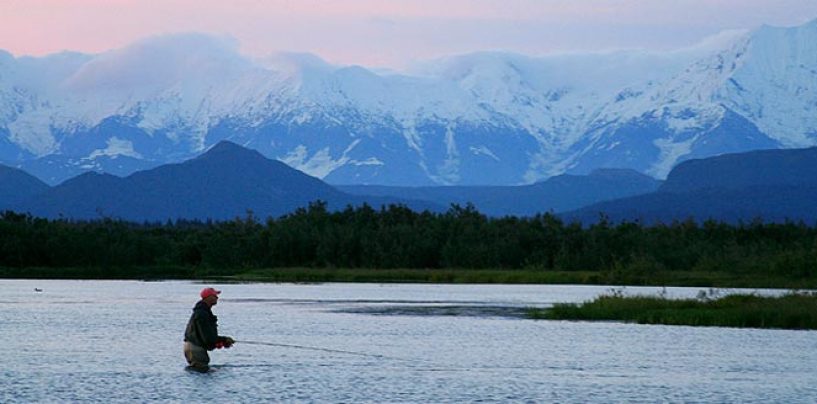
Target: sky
[{"x": 389, "y": 33}]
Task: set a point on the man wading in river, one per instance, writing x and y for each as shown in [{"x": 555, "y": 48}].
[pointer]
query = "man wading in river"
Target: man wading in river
[{"x": 201, "y": 334}]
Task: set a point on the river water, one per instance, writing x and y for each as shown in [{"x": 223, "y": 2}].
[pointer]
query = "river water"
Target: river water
[{"x": 121, "y": 341}]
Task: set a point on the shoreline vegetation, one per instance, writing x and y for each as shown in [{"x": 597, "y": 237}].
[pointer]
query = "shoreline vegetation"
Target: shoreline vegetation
[
  {"x": 395, "y": 244},
  {"x": 408, "y": 275},
  {"x": 505, "y": 276},
  {"x": 793, "y": 311}
]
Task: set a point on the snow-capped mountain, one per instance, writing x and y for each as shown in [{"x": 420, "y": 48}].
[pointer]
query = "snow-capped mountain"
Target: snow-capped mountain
[{"x": 484, "y": 118}]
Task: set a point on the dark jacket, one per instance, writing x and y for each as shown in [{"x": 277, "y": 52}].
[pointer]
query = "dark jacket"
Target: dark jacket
[{"x": 202, "y": 329}]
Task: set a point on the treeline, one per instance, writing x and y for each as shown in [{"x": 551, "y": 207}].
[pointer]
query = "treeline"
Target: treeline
[{"x": 397, "y": 237}]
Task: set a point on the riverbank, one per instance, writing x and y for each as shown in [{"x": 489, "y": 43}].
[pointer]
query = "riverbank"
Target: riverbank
[
  {"x": 796, "y": 311},
  {"x": 457, "y": 276},
  {"x": 666, "y": 278}
]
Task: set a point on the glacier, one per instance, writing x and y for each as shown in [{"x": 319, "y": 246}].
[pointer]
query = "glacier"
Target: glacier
[{"x": 487, "y": 118}]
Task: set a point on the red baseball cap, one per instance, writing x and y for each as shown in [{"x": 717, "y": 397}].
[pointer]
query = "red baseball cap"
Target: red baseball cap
[{"x": 207, "y": 292}]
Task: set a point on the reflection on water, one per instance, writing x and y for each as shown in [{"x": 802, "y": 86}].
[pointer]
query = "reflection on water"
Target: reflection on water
[{"x": 121, "y": 341}]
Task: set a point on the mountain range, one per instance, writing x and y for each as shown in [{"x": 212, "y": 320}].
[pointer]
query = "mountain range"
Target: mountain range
[
  {"x": 226, "y": 182},
  {"x": 229, "y": 181},
  {"x": 476, "y": 119}
]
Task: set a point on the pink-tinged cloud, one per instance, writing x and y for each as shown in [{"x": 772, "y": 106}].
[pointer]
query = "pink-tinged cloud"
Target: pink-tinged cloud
[{"x": 388, "y": 32}]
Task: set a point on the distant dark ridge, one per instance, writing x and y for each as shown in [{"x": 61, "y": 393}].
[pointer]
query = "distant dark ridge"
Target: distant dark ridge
[
  {"x": 227, "y": 181},
  {"x": 776, "y": 204},
  {"x": 17, "y": 185},
  {"x": 556, "y": 194},
  {"x": 794, "y": 167},
  {"x": 770, "y": 185}
]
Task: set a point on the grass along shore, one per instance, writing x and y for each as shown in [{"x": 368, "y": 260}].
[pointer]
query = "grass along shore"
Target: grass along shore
[
  {"x": 487, "y": 276},
  {"x": 796, "y": 311},
  {"x": 522, "y": 276}
]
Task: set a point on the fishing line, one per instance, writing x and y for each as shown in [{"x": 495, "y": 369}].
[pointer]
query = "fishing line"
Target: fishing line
[
  {"x": 435, "y": 367},
  {"x": 312, "y": 348}
]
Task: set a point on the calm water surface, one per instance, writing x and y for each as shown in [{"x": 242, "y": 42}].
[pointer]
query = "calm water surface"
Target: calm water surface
[{"x": 104, "y": 341}]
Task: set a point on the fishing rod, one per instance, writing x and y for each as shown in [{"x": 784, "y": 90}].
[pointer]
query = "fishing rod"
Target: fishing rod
[{"x": 312, "y": 348}]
